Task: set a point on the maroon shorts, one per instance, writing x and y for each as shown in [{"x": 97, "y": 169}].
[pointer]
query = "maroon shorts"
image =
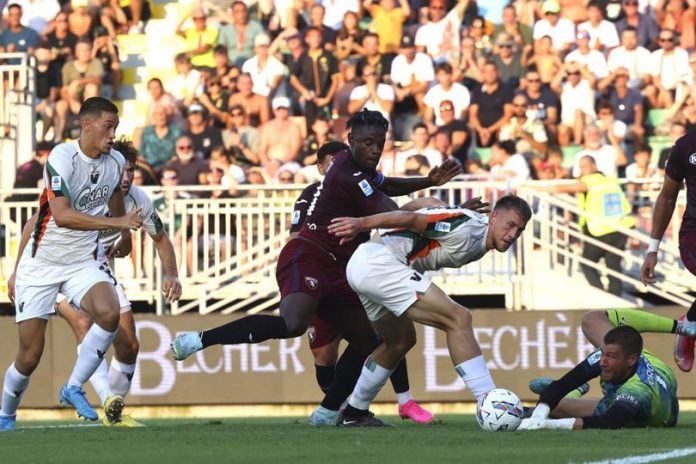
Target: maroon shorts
[
  {"x": 319, "y": 333},
  {"x": 687, "y": 249},
  {"x": 304, "y": 267}
]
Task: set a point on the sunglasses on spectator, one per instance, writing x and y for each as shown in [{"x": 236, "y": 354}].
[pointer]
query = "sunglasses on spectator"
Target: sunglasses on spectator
[
  {"x": 548, "y": 13},
  {"x": 214, "y": 83},
  {"x": 622, "y": 75},
  {"x": 519, "y": 105},
  {"x": 172, "y": 177},
  {"x": 665, "y": 39},
  {"x": 532, "y": 80},
  {"x": 437, "y": 7},
  {"x": 573, "y": 73},
  {"x": 446, "y": 108},
  {"x": 184, "y": 147},
  {"x": 199, "y": 18}
]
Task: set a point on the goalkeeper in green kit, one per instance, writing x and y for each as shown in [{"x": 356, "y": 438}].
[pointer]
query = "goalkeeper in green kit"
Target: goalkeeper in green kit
[{"x": 639, "y": 390}]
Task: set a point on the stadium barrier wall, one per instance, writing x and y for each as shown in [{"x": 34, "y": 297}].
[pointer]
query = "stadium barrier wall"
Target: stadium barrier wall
[{"x": 517, "y": 345}]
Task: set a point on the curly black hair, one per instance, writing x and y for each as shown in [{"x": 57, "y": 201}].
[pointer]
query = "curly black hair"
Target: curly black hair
[{"x": 366, "y": 118}]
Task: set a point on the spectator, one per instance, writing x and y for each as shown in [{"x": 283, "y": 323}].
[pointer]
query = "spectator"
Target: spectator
[
  {"x": 641, "y": 168},
  {"x": 490, "y": 106},
  {"x": 644, "y": 25},
  {"x": 588, "y": 57},
  {"x": 523, "y": 128},
  {"x": 238, "y": 36},
  {"x": 321, "y": 134},
  {"x": 255, "y": 105},
  {"x": 679, "y": 16},
  {"x": 507, "y": 164},
  {"x": 187, "y": 86},
  {"x": 466, "y": 67},
  {"x": 191, "y": 169},
  {"x": 446, "y": 89},
  {"x": 266, "y": 70},
  {"x": 372, "y": 95},
  {"x": 281, "y": 132},
  {"x": 160, "y": 97},
  {"x": 240, "y": 135},
  {"x": 350, "y": 37},
  {"x": 520, "y": 33},
  {"x": 226, "y": 72},
  {"x": 603, "y": 36},
  {"x": 419, "y": 146},
  {"x": 132, "y": 14},
  {"x": 684, "y": 110},
  {"x": 79, "y": 19},
  {"x": 203, "y": 136},
  {"x": 106, "y": 51},
  {"x": 479, "y": 32},
  {"x": 81, "y": 80},
  {"x": 456, "y": 130},
  {"x": 508, "y": 59},
  {"x": 412, "y": 72},
  {"x": 554, "y": 159},
  {"x": 215, "y": 100},
  {"x": 335, "y": 11},
  {"x": 37, "y": 14},
  {"x": 316, "y": 20},
  {"x": 61, "y": 42},
  {"x": 170, "y": 180},
  {"x": 439, "y": 36},
  {"x": 47, "y": 90},
  {"x": 560, "y": 30},
  {"x": 315, "y": 78},
  {"x": 227, "y": 160},
  {"x": 346, "y": 82},
  {"x": 387, "y": 21},
  {"x": 158, "y": 141},
  {"x": 372, "y": 56},
  {"x": 609, "y": 125},
  {"x": 30, "y": 174},
  {"x": 577, "y": 102},
  {"x": 416, "y": 165},
  {"x": 626, "y": 103},
  {"x": 17, "y": 38},
  {"x": 542, "y": 103},
  {"x": 631, "y": 56},
  {"x": 676, "y": 131},
  {"x": 545, "y": 60},
  {"x": 200, "y": 39},
  {"x": 607, "y": 157},
  {"x": 669, "y": 65}
]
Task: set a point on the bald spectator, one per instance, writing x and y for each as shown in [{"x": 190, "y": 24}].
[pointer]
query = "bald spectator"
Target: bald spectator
[
  {"x": 266, "y": 70},
  {"x": 238, "y": 36},
  {"x": 561, "y": 30},
  {"x": 282, "y": 132},
  {"x": 200, "y": 39},
  {"x": 255, "y": 105}
]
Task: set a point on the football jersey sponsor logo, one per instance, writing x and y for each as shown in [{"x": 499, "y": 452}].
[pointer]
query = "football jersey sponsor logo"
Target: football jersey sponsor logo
[
  {"x": 627, "y": 397},
  {"x": 311, "y": 282},
  {"x": 365, "y": 187},
  {"x": 442, "y": 226},
  {"x": 56, "y": 183},
  {"x": 88, "y": 198},
  {"x": 692, "y": 158},
  {"x": 295, "y": 217}
]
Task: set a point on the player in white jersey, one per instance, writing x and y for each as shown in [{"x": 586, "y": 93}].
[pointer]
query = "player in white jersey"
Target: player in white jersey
[
  {"x": 116, "y": 380},
  {"x": 81, "y": 183},
  {"x": 387, "y": 274}
]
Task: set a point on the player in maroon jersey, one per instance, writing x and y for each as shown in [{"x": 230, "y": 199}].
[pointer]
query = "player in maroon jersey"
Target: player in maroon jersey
[{"x": 311, "y": 267}]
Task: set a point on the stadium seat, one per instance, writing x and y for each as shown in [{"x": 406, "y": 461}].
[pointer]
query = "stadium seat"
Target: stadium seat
[
  {"x": 569, "y": 153},
  {"x": 656, "y": 117}
]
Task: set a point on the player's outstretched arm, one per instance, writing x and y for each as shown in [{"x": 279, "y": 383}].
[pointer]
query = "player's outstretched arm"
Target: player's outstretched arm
[
  {"x": 171, "y": 287},
  {"x": 439, "y": 175},
  {"x": 662, "y": 214},
  {"x": 348, "y": 228},
  {"x": 26, "y": 234}
]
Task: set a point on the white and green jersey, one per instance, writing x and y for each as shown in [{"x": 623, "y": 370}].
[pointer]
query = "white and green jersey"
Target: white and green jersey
[
  {"x": 88, "y": 184},
  {"x": 454, "y": 237},
  {"x": 134, "y": 199}
]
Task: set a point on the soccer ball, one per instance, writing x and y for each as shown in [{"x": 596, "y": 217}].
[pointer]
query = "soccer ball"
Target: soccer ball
[{"x": 499, "y": 410}]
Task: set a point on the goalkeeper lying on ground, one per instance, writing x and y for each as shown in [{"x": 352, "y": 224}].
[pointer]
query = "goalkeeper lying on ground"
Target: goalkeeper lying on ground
[{"x": 639, "y": 390}]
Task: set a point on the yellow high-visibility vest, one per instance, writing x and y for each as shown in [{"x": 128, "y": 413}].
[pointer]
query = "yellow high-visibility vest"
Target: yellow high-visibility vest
[{"x": 606, "y": 205}]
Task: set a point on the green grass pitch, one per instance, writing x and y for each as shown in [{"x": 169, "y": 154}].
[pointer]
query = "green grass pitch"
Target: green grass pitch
[{"x": 454, "y": 439}]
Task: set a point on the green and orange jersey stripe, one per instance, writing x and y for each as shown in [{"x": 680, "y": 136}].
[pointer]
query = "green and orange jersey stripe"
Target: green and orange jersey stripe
[
  {"x": 41, "y": 221},
  {"x": 63, "y": 191}
]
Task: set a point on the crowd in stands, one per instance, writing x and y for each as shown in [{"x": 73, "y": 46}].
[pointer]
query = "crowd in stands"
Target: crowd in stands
[{"x": 514, "y": 90}]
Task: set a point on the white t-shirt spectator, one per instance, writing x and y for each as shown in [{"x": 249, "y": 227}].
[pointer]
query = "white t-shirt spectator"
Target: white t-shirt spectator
[
  {"x": 633, "y": 172},
  {"x": 533, "y": 127},
  {"x": 594, "y": 61},
  {"x": 434, "y": 158},
  {"x": 336, "y": 9},
  {"x": 562, "y": 33},
  {"x": 384, "y": 91},
  {"x": 263, "y": 78},
  {"x": 441, "y": 39},
  {"x": 605, "y": 34},
  {"x": 580, "y": 97},
  {"x": 670, "y": 69},
  {"x": 182, "y": 87},
  {"x": 637, "y": 61},
  {"x": 457, "y": 94},
  {"x": 516, "y": 164},
  {"x": 605, "y": 158},
  {"x": 402, "y": 72}
]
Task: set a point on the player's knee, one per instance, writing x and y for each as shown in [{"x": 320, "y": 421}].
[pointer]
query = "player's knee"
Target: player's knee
[
  {"x": 27, "y": 361},
  {"x": 82, "y": 326},
  {"x": 460, "y": 317},
  {"x": 296, "y": 327},
  {"x": 106, "y": 317},
  {"x": 403, "y": 345}
]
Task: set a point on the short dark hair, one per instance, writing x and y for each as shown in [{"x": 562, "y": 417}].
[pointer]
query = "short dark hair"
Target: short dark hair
[
  {"x": 95, "y": 106},
  {"x": 507, "y": 145},
  {"x": 171, "y": 168},
  {"x": 14, "y": 5},
  {"x": 418, "y": 125},
  {"x": 513, "y": 202},
  {"x": 628, "y": 338},
  {"x": 445, "y": 67},
  {"x": 156, "y": 79},
  {"x": 367, "y": 118},
  {"x": 643, "y": 147},
  {"x": 220, "y": 49},
  {"x": 182, "y": 58},
  {"x": 370, "y": 34},
  {"x": 630, "y": 29},
  {"x": 126, "y": 148},
  {"x": 330, "y": 148},
  {"x": 605, "y": 105}
]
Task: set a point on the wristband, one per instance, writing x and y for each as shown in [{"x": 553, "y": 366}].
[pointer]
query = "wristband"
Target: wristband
[{"x": 653, "y": 245}]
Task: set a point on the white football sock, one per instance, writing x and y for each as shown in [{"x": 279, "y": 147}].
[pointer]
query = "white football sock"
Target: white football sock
[
  {"x": 404, "y": 397},
  {"x": 371, "y": 381},
  {"x": 12, "y": 390},
  {"x": 100, "y": 381},
  {"x": 120, "y": 377},
  {"x": 92, "y": 352},
  {"x": 475, "y": 375}
]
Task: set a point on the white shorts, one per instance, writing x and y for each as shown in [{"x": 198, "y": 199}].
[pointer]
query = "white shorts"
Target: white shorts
[
  {"x": 38, "y": 283},
  {"x": 383, "y": 283}
]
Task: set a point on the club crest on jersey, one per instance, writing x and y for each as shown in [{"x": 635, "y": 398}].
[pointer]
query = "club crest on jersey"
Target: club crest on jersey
[
  {"x": 56, "y": 183},
  {"x": 365, "y": 187},
  {"x": 442, "y": 226},
  {"x": 94, "y": 175},
  {"x": 692, "y": 158},
  {"x": 311, "y": 282}
]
